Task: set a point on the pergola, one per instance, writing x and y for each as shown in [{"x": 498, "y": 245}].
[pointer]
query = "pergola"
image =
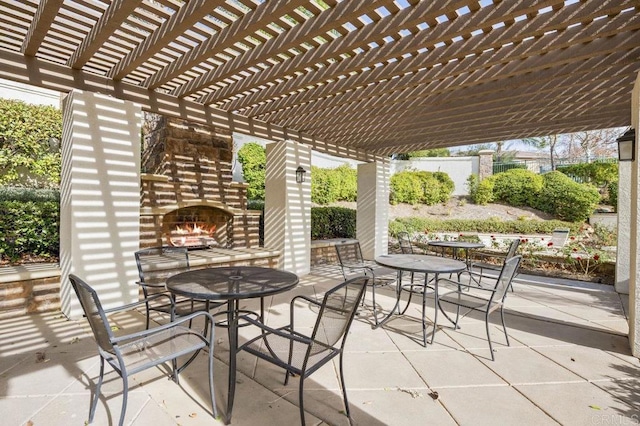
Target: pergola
[{"x": 357, "y": 78}]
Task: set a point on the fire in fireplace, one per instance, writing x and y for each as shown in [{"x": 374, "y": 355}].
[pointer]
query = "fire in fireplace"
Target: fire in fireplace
[{"x": 197, "y": 226}]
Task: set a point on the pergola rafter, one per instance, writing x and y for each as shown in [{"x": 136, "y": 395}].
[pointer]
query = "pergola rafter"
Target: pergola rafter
[{"x": 363, "y": 78}]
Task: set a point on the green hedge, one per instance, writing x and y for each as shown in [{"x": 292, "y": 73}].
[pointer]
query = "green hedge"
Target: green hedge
[
  {"x": 332, "y": 222},
  {"x": 331, "y": 185},
  {"x": 29, "y": 228},
  {"x": 566, "y": 199},
  {"x": 419, "y": 224},
  {"x": 597, "y": 173},
  {"x": 517, "y": 187},
  {"x": 420, "y": 187}
]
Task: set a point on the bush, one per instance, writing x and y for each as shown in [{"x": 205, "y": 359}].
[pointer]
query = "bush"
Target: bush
[
  {"x": 597, "y": 173},
  {"x": 332, "y": 222},
  {"x": 612, "y": 190},
  {"x": 566, "y": 199},
  {"x": 413, "y": 187},
  {"x": 424, "y": 225},
  {"x": 253, "y": 158},
  {"x": 29, "y": 228},
  {"x": 503, "y": 167},
  {"x": 480, "y": 192},
  {"x": 517, "y": 187},
  {"x": 331, "y": 185},
  {"x": 26, "y": 158}
]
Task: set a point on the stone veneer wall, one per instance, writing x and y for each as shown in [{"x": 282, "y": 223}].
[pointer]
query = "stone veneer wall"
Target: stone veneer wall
[
  {"x": 29, "y": 296},
  {"x": 188, "y": 164}
]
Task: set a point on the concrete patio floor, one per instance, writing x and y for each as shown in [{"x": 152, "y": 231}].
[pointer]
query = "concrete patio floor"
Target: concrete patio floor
[{"x": 569, "y": 363}]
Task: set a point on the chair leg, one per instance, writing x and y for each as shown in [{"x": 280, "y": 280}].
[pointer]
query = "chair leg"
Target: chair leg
[
  {"x": 301, "y": 399},
  {"x": 125, "y": 393},
  {"x": 504, "y": 327},
  {"x": 373, "y": 298},
  {"x": 344, "y": 390},
  {"x": 486, "y": 322},
  {"x": 211, "y": 387},
  {"x": 96, "y": 396}
]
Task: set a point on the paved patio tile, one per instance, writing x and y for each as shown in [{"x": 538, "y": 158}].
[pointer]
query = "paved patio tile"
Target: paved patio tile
[
  {"x": 492, "y": 405},
  {"x": 588, "y": 363},
  {"x": 440, "y": 369},
  {"x": 525, "y": 366},
  {"x": 380, "y": 370},
  {"x": 397, "y": 407},
  {"x": 580, "y": 404}
]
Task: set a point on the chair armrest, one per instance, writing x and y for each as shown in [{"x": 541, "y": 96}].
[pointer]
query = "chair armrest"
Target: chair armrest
[
  {"x": 145, "y": 284},
  {"x": 164, "y": 327},
  {"x": 139, "y": 302},
  {"x": 467, "y": 286}
]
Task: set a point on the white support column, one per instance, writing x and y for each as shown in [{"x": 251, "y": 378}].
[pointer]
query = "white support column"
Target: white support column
[
  {"x": 623, "y": 255},
  {"x": 99, "y": 198},
  {"x": 287, "y": 208},
  {"x": 372, "y": 217},
  {"x": 634, "y": 259}
]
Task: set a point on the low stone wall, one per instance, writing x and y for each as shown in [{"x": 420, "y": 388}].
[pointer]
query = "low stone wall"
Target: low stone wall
[
  {"x": 323, "y": 252},
  {"x": 36, "y": 288}
]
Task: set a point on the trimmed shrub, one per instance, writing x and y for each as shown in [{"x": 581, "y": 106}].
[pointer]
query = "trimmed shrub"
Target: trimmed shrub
[
  {"x": 332, "y": 222},
  {"x": 30, "y": 225},
  {"x": 566, "y": 199},
  {"x": 413, "y": 187},
  {"x": 424, "y": 225},
  {"x": 597, "y": 173},
  {"x": 331, "y": 185},
  {"x": 480, "y": 192},
  {"x": 517, "y": 187}
]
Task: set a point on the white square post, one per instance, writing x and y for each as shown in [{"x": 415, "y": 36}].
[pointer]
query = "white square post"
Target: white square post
[
  {"x": 372, "y": 217},
  {"x": 99, "y": 198},
  {"x": 287, "y": 208}
]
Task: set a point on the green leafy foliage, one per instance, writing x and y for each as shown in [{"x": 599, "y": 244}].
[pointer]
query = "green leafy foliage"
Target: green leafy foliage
[
  {"x": 480, "y": 192},
  {"x": 332, "y": 222},
  {"x": 331, "y": 185},
  {"x": 413, "y": 187},
  {"x": 494, "y": 225},
  {"x": 597, "y": 173},
  {"x": 26, "y": 157},
  {"x": 517, "y": 187},
  {"x": 253, "y": 158},
  {"x": 612, "y": 190},
  {"x": 565, "y": 198},
  {"x": 30, "y": 225}
]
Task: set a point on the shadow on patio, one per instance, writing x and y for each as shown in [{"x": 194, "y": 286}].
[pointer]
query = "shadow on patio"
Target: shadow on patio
[{"x": 569, "y": 362}]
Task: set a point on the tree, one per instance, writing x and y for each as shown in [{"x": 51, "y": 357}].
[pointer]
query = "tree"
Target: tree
[
  {"x": 543, "y": 142},
  {"x": 253, "y": 158},
  {"x": 29, "y": 144}
]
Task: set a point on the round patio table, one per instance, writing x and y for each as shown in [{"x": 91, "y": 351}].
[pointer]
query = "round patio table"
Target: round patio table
[
  {"x": 231, "y": 283},
  {"x": 457, "y": 245},
  {"x": 425, "y": 264}
]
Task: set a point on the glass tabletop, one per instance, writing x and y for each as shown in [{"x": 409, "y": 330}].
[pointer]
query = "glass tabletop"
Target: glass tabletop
[{"x": 231, "y": 282}]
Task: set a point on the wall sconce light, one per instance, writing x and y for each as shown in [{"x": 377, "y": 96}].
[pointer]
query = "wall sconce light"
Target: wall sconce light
[
  {"x": 300, "y": 172},
  {"x": 627, "y": 146}
]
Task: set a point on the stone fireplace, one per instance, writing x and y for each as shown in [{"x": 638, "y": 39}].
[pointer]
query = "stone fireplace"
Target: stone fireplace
[{"x": 188, "y": 195}]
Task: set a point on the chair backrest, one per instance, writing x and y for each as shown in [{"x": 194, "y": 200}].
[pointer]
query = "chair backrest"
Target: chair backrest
[
  {"x": 559, "y": 237},
  {"x": 509, "y": 270},
  {"x": 156, "y": 264},
  {"x": 339, "y": 306},
  {"x": 93, "y": 311},
  {"x": 513, "y": 248},
  {"x": 349, "y": 255},
  {"x": 405, "y": 243}
]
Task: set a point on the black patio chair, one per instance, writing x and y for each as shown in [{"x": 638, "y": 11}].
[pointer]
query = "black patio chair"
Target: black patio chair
[
  {"x": 404, "y": 240},
  {"x": 483, "y": 265},
  {"x": 472, "y": 297},
  {"x": 155, "y": 265},
  {"x": 132, "y": 353},
  {"x": 352, "y": 263},
  {"x": 301, "y": 354}
]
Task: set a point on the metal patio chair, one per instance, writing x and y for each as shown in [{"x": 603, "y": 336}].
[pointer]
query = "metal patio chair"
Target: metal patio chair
[
  {"x": 132, "y": 353},
  {"x": 352, "y": 263},
  {"x": 155, "y": 265},
  {"x": 301, "y": 354},
  {"x": 482, "y": 299},
  {"x": 482, "y": 266}
]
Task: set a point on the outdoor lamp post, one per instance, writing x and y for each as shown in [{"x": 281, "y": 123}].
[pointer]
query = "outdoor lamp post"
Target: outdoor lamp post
[
  {"x": 627, "y": 146},
  {"x": 300, "y": 172}
]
